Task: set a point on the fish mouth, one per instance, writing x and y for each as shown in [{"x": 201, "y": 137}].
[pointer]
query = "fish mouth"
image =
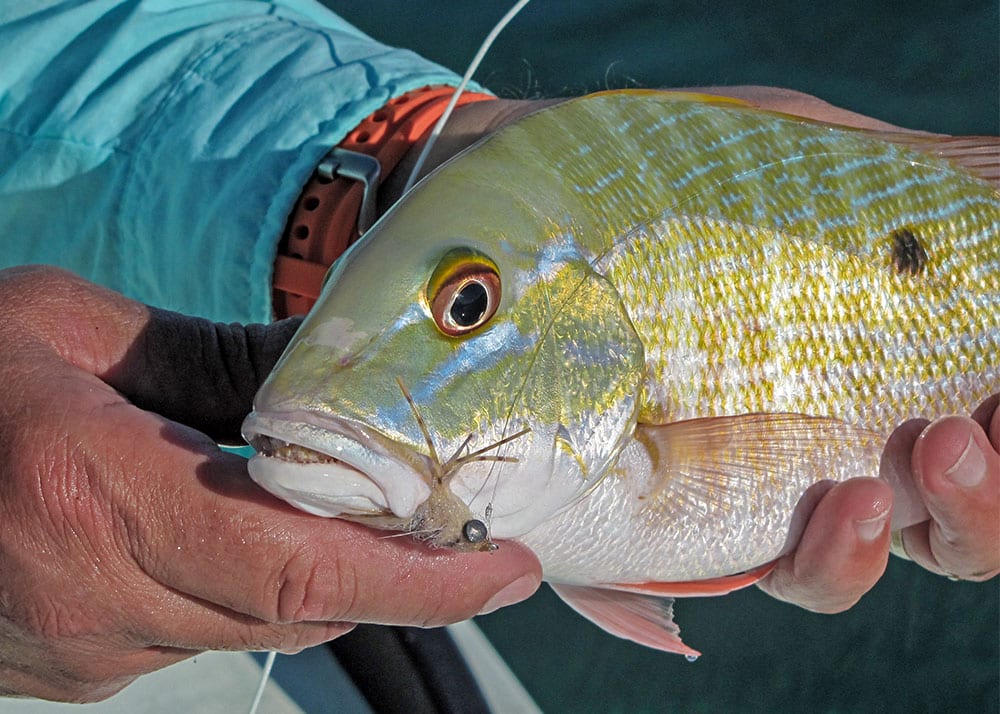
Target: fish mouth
[{"x": 331, "y": 467}]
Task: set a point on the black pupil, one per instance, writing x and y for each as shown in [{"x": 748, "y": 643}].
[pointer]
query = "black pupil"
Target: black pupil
[{"x": 470, "y": 304}]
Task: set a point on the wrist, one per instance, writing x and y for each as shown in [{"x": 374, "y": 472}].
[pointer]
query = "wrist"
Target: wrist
[
  {"x": 325, "y": 219},
  {"x": 468, "y": 124}
]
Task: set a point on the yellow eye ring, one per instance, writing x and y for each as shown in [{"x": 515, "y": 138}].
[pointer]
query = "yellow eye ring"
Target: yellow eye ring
[{"x": 463, "y": 292}]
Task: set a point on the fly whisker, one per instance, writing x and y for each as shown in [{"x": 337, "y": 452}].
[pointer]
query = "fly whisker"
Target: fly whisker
[
  {"x": 422, "y": 425},
  {"x": 500, "y": 459},
  {"x": 479, "y": 453},
  {"x": 455, "y": 458},
  {"x": 400, "y": 534},
  {"x": 457, "y": 461},
  {"x": 421, "y": 534}
]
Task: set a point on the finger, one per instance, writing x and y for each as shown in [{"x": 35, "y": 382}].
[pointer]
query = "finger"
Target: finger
[
  {"x": 987, "y": 415},
  {"x": 957, "y": 470},
  {"x": 188, "y": 624},
  {"x": 179, "y": 621},
  {"x": 843, "y": 550},
  {"x": 896, "y": 469},
  {"x": 172, "y": 620},
  {"x": 222, "y": 539}
]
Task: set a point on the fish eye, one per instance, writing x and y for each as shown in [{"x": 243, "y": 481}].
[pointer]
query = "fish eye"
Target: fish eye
[{"x": 463, "y": 292}]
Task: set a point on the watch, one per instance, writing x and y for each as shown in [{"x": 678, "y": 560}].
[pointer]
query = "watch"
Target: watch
[{"x": 337, "y": 205}]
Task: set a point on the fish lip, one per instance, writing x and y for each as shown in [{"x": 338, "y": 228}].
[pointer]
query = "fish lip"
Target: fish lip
[{"x": 404, "y": 487}]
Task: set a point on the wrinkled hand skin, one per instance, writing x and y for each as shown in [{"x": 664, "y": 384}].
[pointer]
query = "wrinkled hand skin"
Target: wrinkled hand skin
[
  {"x": 955, "y": 465},
  {"x": 129, "y": 541}
]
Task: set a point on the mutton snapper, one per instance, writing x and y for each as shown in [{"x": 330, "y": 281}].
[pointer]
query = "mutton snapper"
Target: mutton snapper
[{"x": 631, "y": 331}]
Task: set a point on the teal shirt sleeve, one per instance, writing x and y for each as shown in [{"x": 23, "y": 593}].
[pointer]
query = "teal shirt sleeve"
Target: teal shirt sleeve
[{"x": 157, "y": 146}]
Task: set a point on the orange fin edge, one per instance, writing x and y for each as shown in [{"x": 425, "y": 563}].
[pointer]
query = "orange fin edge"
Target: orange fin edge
[
  {"x": 695, "y": 588},
  {"x": 679, "y": 94}
]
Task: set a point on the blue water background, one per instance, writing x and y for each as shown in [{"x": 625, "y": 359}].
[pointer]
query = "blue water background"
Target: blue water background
[{"x": 916, "y": 643}]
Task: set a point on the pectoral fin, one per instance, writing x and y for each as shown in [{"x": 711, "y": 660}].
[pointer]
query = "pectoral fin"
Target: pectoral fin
[
  {"x": 751, "y": 463},
  {"x": 641, "y": 618}
]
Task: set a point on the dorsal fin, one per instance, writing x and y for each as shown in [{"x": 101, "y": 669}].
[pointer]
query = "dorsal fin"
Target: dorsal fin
[
  {"x": 979, "y": 155},
  {"x": 682, "y": 95}
]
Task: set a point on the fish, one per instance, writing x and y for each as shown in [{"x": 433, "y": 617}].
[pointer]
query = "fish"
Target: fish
[{"x": 633, "y": 331}]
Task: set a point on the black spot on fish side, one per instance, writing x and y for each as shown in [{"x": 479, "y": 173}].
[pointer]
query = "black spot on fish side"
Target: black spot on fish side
[{"x": 908, "y": 254}]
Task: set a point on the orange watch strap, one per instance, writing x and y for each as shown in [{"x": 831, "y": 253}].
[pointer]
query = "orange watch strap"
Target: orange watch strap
[{"x": 324, "y": 221}]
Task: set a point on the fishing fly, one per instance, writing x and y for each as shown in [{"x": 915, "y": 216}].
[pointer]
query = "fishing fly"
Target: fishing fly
[{"x": 474, "y": 531}]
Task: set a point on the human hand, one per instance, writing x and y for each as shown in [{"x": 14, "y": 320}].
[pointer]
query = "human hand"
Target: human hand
[
  {"x": 954, "y": 464},
  {"x": 130, "y": 541}
]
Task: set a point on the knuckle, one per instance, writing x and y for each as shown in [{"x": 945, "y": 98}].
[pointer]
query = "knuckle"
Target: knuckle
[
  {"x": 963, "y": 555},
  {"x": 822, "y": 591},
  {"x": 33, "y": 279},
  {"x": 308, "y": 588},
  {"x": 287, "y": 639},
  {"x": 299, "y": 639},
  {"x": 255, "y": 636}
]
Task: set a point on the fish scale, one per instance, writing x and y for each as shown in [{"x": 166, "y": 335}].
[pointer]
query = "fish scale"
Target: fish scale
[
  {"x": 701, "y": 311},
  {"x": 797, "y": 328},
  {"x": 839, "y": 187},
  {"x": 836, "y": 205}
]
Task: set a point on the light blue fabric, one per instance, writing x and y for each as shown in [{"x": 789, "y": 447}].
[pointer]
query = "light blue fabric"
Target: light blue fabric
[{"x": 157, "y": 146}]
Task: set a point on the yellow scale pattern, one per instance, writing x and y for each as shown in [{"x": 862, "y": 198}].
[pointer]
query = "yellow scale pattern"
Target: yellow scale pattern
[
  {"x": 737, "y": 320},
  {"x": 756, "y": 255}
]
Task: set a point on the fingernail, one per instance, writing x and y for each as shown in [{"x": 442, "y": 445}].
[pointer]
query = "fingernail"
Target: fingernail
[
  {"x": 970, "y": 469},
  {"x": 870, "y": 529},
  {"x": 519, "y": 590}
]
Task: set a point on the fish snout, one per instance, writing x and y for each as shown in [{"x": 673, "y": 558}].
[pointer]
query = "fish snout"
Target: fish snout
[{"x": 325, "y": 471}]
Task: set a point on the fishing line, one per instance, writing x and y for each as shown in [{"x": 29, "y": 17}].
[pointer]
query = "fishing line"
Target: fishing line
[
  {"x": 265, "y": 675},
  {"x": 473, "y": 66},
  {"x": 435, "y": 132}
]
